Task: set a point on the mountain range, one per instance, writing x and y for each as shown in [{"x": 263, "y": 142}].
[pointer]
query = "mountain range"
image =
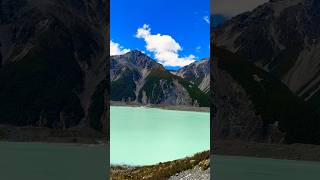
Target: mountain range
[
  {"x": 266, "y": 73},
  {"x": 53, "y": 64},
  {"x": 135, "y": 77}
]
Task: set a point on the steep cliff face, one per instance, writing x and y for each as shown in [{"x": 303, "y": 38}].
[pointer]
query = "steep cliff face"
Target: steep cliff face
[
  {"x": 198, "y": 73},
  {"x": 53, "y": 63},
  {"x": 135, "y": 77}
]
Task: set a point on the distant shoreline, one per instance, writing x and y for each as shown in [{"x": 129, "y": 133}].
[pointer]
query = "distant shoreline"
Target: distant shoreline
[
  {"x": 47, "y": 135},
  {"x": 105, "y": 144},
  {"x": 161, "y": 106},
  {"x": 297, "y": 152}
]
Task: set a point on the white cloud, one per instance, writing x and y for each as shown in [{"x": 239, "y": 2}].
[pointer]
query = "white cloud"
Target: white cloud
[
  {"x": 198, "y": 48},
  {"x": 164, "y": 48},
  {"x": 117, "y": 49},
  {"x": 144, "y": 31},
  {"x": 231, "y": 8},
  {"x": 206, "y": 18}
]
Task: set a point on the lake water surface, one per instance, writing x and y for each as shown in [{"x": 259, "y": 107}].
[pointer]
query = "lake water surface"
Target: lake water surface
[
  {"x": 144, "y": 136},
  {"x": 35, "y": 161},
  {"x": 250, "y": 168}
]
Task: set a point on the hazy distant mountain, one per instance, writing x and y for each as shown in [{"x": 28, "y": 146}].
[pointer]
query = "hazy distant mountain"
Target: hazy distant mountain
[
  {"x": 135, "y": 77},
  {"x": 53, "y": 59},
  {"x": 266, "y": 75}
]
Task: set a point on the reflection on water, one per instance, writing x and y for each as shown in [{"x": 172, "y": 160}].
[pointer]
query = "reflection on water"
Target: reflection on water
[{"x": 44, "y": 161}]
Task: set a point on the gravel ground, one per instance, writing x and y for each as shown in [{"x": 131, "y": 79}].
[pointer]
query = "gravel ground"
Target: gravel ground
[{"x": 193, "y": 174}]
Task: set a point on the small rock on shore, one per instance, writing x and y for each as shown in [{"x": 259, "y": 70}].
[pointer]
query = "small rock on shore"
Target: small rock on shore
[{"x": 193, "y": 174}]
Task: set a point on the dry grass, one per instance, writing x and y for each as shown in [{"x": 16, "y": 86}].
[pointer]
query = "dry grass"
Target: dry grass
[{"x": 160, "y": 171}]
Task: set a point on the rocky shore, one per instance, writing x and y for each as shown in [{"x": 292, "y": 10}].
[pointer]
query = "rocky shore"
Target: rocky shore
[
  {"x": 162, "y": 106},
  {"x": 196, "y": 173}
]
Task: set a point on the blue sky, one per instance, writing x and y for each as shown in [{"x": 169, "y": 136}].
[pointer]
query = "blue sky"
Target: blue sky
[{"x": 175, "y": 32}]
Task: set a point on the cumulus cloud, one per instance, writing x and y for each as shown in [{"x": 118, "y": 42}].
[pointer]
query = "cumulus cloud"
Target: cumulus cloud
[
  {"x": 230, "y": 8},
  {"x": 164, "y": 48},
  {"x": 206, "y": 19},
  {"x": 117, "y": 49},
  {"x": 144, "y": 31}
]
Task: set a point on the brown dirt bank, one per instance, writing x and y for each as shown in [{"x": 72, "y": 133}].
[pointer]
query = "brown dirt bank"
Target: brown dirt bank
[
  {"x": 305, "y": 152},
  {"x": 160, "y": 171},
  {"x": 162, "y": 106}
]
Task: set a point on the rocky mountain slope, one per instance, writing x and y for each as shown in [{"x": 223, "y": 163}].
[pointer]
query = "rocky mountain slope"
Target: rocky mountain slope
[
  {"x": 253, "y": 105},
  {"x": 266, "y": 73},
  {"x": 198, "y": 73},
  {"x": 135, "y": 77},
  {"x": 53, "y": 63},
  {"x": 282, "y": 37}
]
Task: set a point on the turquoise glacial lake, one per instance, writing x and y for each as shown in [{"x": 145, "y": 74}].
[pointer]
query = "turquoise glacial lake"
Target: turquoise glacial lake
[
  {"x": 250, "y": 168},
  {"x": 146, "y": 136},
  {"x": 43, "y": 161}
]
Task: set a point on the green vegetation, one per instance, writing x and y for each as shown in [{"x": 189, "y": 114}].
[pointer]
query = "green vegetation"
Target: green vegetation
[
  {"x": 315, "y": 101},
  {"x": 285, "y": 60},
  {"x": 36, "y": 89},
  {"x": 196, "y": 94},
  {"x": 154, "y": 91},
  {"x": 97, "y": 106},
  {"x": 152, "y": 85},
  {"x": 162, "y": 170},
  {"x": 272, "y": 99},
  {"x": 123, "y": 87}
]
